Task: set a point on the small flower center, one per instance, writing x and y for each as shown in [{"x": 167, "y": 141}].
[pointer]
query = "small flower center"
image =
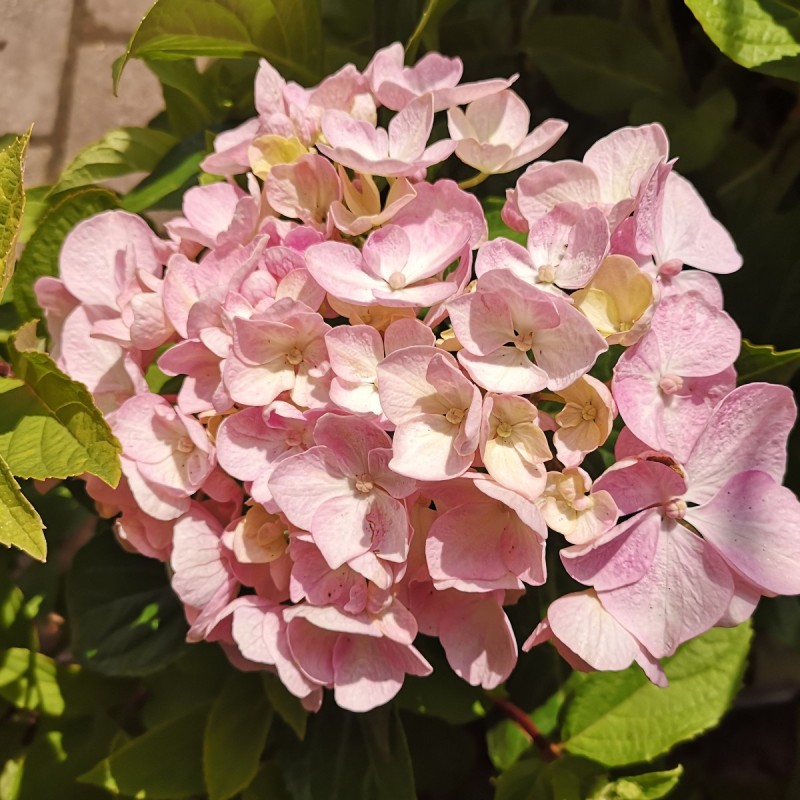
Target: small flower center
[
  {"x": 524, "y": 341},
  {"x": 397, "y": 280},
  {"x": 675, "y": 509},
  {"x": 184, "y": 445},
  {"x": 294, "y": 438},
  {"x": 294, "y": 357},
  {"x": 671, "y": 384},
  {"x": 588, "y": 412},
  {"x": 455, "y": 416},
  {"x": 504, "y": 430},
  {"x": 547, "y": 273},
  {"x": 364, "y": 483}
]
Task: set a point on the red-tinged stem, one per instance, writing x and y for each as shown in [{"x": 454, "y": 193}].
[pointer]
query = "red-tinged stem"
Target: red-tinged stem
[{"x": 549, "y": 751}]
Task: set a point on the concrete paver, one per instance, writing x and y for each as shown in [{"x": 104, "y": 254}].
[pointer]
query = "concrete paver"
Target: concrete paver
[
  {"x": 122, "y": 16},
  {"x": 34, "y": 35}
]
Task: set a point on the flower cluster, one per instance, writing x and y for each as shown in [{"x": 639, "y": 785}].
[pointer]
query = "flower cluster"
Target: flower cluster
[{"x": 378, "y": 415}]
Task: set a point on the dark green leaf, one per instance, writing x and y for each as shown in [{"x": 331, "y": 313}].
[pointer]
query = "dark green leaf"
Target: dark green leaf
[
  {"x": 390, "y": 775},
  {"x": 235, "y": 735},
  {"x": 567, "y": 778},
  {"x": 125, "y": 617},
  {"x": 579, "y": 54},
  {"x": 620, "y": 718},
  {"x": 286, "y": 705},
  {"x": 761, "y": 362},
  {"x": 40, "y": 256},
  {"x": 164, "y": 763}
]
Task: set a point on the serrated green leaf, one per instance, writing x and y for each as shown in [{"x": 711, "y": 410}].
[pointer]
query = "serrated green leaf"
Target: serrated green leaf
[
  {"x": 164, "y": 763},
  {"x": 51, "y": 426},
  {"x": 28, "y": 680},
  {"x": 619, "y": 718},
  {"x": 286, "y": 705},
  {"x": 579, "y": 53},
  {"x": 120, "y": 152},
  {"x": 40, "y": 256},
  {"x": 287, "y": 33},
  {"x": 126, "y": 620},
  {"x": 235, "y": 735},
  {"x": 650, "y": 786},
  {"x": 761, "y": 362},
  {"x": 20, "y": 525},
  {"x": 12, "y": 205},
  {"x": 763, "y": 34}
]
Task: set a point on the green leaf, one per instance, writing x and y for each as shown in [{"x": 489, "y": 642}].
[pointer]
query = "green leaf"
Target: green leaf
[
  {"x": 12, "y": 204},
  {"x": 620, "y": 718},
  {"x": 11, "y": 778},
  {"x": 579, "y": 53},
  {"x": 126, "y": 620},
  {"x": 267, "y": 784},
  {"x": 696, "y": 133},
  {"x": 40, "y": 256},
  {"x": 28, "y": 680},
  {"x": 390, "y": 775},
  {"x": 566, "y": 778},
  {"x": 649, "y": 786},
  {"x": 120, "y": 152},
  {"x": 505, "y": 743},
  {"x": 51, "y": 426},
  {"x": 177, "y": 171},
  {"x": 754, "y": 33},
  {"x": 188, "y": 95},
  {"x": 286, "y": 705},
  {"x": 287, "y": 33},
  {"x": 20, "y": 525},
  {"x": 165, "y": 763},
  {"x": 235, "y": 735},
  {"x": 761, "y": 362}
]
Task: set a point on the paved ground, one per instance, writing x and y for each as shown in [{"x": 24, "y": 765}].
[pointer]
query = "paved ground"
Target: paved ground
[{"x": 55, "y": 73}]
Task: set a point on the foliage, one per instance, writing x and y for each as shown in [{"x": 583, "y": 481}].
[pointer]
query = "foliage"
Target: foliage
[{"x": 97, "y": 706}]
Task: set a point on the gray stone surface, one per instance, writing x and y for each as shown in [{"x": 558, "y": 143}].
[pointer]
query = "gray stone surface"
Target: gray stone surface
[
  {"x": 122, "y": 16},
  {"x": 37, "y": 164},
  {"x": 94, "y": 109},
  {"x": 34, "y": 35}
]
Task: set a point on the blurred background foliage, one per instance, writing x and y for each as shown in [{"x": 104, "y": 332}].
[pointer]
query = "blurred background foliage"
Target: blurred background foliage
[{"x": 732, "y": 113}]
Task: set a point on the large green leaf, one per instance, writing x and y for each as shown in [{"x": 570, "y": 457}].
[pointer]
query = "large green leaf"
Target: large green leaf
[
  {"x": 40, "y": 256},
  {"x": 126, "y": 620},
  {"x": 12, "y": 204},
  {"x": 286, "y": 32},
  {"x": 285, "y": 704},
  {"x": 121, "y": 151},
  {"x": 620, "y": 718},
  {"x": 50, "y": 426},
  {"x": 164, "y": 763},
  {"x": 390, "y": 775},
  {"x": 579, "y": 53},
  {"x": 764, "y": 34},
  {"x": 761, "y": 362},
  {"x": 566, "y": 778},
  {"x": 235, "y": 735},
  {"x": 20, "y": 525}
]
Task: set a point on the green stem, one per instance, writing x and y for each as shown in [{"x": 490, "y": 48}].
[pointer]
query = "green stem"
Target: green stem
[
  {"x": 416, "y": 37},
  {"x": 480, "y": 177}
]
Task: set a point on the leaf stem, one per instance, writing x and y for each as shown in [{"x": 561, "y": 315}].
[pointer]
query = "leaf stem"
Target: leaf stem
[{"x": 549, "y": 751}]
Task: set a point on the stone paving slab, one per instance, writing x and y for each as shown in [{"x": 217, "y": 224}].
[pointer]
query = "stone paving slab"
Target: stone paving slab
[
  {"x": 121, "y": 16},
  {"x": 34, "y": 36}
]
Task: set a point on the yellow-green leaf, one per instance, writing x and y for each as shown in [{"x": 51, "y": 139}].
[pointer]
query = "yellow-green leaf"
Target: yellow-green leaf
[
  {"x": 120, "y": 152},
  {"x": 288, "y": 33},
  {"x": 12, "y": 204},
  {"x": 20, "y": 525},
  {"x": 28, "y": 680},
  {"x": 51, "y": 427}
]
